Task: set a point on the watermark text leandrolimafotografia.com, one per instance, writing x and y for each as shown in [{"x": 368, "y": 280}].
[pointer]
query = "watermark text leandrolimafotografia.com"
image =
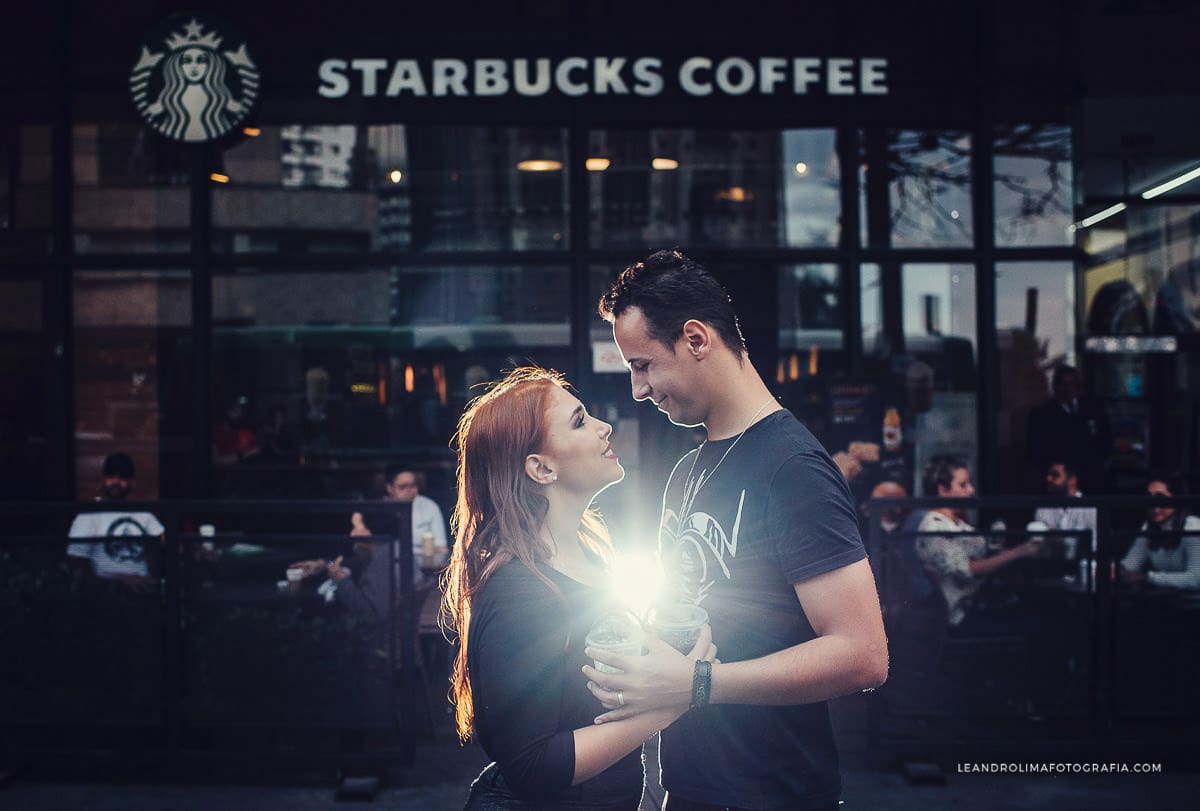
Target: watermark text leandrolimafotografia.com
[{"x": 1013, "y": 767}]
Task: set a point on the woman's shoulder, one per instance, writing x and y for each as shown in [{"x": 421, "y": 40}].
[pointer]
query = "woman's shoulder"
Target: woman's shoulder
[
  {"x": 1192, "y": 522},
  {"x": 514, "y": 581}
]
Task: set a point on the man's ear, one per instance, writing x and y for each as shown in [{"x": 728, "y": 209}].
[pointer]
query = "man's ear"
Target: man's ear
[
  {"x": 696, "y": 338},
  {"x": 537, "y": 468}
]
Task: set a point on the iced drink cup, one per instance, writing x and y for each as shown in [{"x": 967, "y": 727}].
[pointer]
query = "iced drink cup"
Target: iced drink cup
[
  {"x": 678, "y": 624},
  {"x": 615, "y": 633}
]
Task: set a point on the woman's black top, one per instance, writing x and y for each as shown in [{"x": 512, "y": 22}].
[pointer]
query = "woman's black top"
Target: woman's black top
[{"x": 524, "y": 656}]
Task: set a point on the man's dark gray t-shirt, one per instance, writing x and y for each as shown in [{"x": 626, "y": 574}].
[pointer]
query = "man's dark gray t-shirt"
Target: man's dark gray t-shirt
[{"x": 737, "y": 532}]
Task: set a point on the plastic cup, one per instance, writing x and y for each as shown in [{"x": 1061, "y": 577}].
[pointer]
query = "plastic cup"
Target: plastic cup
[
  {"x": 678, "y": 624},
  {"x": 616, "y": 633},
  {"x": 295, "y": 576}
]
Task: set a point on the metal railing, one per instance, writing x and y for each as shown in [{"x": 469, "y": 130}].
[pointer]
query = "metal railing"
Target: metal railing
[
  {"x": 1056, "y": 649},
  {"x": 215, "y": 653}
]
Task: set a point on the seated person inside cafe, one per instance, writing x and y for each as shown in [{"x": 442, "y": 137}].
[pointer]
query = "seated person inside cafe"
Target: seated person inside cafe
[
  {"x": 1163, "y": 555},
  {"x": 111, "y": 544},
  {"x": 958, "y": 562},
  {"x": 1062, "y": 479},
  {"x": 362, "y": 583}
]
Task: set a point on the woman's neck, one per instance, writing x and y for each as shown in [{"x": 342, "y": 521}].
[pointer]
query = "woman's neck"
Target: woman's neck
[{"x": 563, "y": 521}]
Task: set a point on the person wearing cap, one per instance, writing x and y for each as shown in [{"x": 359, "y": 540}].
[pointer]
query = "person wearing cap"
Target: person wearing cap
[{"x": 113, "y": 544}]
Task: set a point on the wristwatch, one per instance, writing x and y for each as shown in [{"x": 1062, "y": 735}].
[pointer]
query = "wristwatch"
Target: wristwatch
[{"x": 701, "y": 684}]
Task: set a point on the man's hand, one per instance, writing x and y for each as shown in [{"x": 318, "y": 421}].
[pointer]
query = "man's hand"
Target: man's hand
[
  {"x": 310, "y": 567},
  {"x": 660, "y": 681},
  {"x": 865, "y": 452},
  {"x": 849, "y": 465}
]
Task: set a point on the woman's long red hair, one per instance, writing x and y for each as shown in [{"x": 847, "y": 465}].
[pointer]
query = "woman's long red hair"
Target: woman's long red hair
[{"x": 500, "y": 510}]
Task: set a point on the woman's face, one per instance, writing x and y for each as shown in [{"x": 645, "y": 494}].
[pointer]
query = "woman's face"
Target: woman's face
[
  {"x": 195, "y": 64},
  {"x": 1159, "y": 515},
  {"x": 577, "y": 447}
]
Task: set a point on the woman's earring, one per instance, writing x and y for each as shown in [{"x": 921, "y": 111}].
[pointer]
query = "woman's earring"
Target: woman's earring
[{"x": 553, "y": 477}]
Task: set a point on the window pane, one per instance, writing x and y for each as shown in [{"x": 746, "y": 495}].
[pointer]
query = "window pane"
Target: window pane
[
  {"x": 394, "y": 188},
  {"x": 1142, "y": 272},
  {"x": 713, "y": 187},
  {"x": 915, "y": 189},
  {"x": 25, "y": 198},
  {"x": 1035, "y": 330},
  {"x": 131, "y": 191},
  {"x": 1032, "y": 185},
  {"x": 133, "y": 376},
  {"x": 810, "y": 307},
  {"x": 23, "y": 362},
  {"x": 323, "y": 375}
]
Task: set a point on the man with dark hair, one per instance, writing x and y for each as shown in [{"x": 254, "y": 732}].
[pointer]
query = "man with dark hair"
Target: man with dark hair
[
  {"x": 123, "y": 552},
  {"x": 1071, "y": 428},
  {"x": 758, "y": 527},
  {"x": 1062, "y": 479}
]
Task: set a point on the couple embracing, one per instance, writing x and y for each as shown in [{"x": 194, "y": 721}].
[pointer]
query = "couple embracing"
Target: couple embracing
[{"x": 757, "y": 527}]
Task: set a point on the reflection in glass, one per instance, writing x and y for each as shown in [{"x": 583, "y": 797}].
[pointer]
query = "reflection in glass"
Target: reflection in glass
[
  {"x": 321, "y": 374},
  {"x": 1035, "y": 331},
  {"x": 25, "y": 190},
  {"x": 394, "y": 188},
  {"x": 131, "y": 191},
  {"x": 713, "y": 187},
  {"x": 1032, "y": 185},
  {"x": 132, "y": 376},
  {"x": 915, "y": 189},
  {"x": 23, "y": 418},
  {"x": 1143, "y": 273},
  {"x": 810, "y": 307}
]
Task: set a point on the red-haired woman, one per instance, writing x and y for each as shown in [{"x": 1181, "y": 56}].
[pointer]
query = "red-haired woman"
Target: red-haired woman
[{"x": 526, "y": 580}]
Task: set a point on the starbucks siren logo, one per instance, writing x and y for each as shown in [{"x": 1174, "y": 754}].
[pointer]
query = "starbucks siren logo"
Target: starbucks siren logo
[{"x": 186, "y": 86}]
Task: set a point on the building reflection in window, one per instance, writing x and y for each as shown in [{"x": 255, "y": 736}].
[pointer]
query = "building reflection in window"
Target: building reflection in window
[
  {"x": 704, "y": 187},
  {"x": 394, "y": 188},
  {"x": 321, "y": 374},
  {"x": 1033, "y": 186},
  {"x": 915, "y": 189}
]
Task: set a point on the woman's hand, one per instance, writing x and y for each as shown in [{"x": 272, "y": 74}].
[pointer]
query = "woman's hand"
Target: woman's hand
[{"x": 660, "y": 681}]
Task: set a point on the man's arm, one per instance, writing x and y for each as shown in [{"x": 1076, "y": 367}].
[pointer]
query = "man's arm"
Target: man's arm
[{"x": 848, "y": 654}]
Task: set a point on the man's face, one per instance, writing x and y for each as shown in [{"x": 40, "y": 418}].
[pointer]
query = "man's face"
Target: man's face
[
  {"x": 668, "y": 379},
  {"x": 403, "y": 487},
  {"x": 116, "y": 487},
  {"x": 1057, "y": 480}
]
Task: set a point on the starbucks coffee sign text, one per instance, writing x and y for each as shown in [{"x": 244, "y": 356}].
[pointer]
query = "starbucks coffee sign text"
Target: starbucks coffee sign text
[{"x": 576, "y": 76}]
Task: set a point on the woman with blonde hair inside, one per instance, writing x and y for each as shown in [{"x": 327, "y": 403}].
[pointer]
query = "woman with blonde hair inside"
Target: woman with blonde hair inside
[{"x": 527, "y": 578}]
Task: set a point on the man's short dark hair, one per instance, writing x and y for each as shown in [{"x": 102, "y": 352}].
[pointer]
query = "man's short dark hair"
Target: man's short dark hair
[
  {"x": 118, "y": 465},
  {"x": 939, "y": 472},
  {"x": 671, "y": 289}
]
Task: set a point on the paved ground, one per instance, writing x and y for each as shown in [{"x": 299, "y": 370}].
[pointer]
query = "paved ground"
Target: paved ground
[{"x": 443, "y": 770}]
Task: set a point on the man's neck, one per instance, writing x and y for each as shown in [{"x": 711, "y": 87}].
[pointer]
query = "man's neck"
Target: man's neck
[{"x": 745, "y": 399}]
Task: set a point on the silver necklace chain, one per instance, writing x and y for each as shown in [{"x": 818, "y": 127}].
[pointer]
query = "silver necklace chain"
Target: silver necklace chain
[{"x": 736, "y": 440}]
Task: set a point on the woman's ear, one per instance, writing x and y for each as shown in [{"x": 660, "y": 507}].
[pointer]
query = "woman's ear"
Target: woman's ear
[{"x": 537, "y": 468}]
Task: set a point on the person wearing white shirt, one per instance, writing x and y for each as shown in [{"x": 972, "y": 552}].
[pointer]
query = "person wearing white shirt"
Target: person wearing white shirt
[
  {"x": 1160, "y": 557},
  {"x": 1062, "y": 479},
  {"x": 116, "y": 544}
]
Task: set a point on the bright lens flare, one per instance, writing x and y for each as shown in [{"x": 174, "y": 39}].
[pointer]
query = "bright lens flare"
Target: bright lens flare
[{"x": 637, "y": 581}]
